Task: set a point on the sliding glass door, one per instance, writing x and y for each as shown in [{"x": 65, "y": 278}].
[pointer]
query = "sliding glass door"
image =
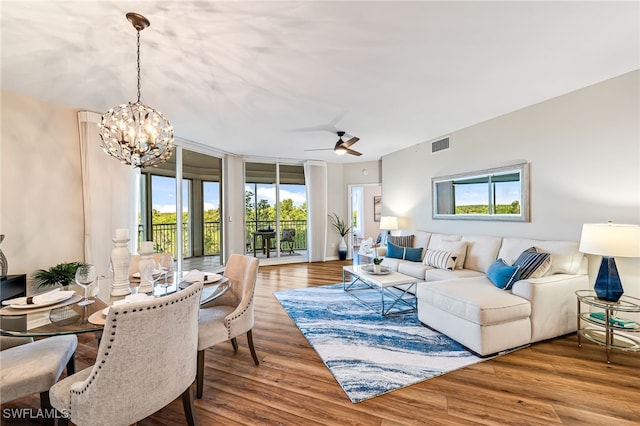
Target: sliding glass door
[
  {"x": 200, "y": 212},
  {"x": 275, "y": 211}
]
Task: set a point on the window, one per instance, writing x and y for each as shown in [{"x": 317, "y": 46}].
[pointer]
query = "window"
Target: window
[{"x": 495, "y": 194}]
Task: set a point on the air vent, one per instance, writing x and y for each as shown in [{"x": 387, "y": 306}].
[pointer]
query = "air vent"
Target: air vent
[{"x": 440, "y": 145}]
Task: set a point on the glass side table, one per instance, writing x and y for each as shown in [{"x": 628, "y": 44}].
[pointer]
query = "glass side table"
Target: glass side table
[{"x": 609, "y": 327}]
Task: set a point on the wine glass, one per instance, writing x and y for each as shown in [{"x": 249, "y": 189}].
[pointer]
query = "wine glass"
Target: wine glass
[
  {"x": 85, "y": 276},
  {"x": 148, "y": 274},
  {"x": 166, "y": 265}
]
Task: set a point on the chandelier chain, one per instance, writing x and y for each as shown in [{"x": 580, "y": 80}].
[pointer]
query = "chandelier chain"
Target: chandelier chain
[{"x": 138, "y": 45}]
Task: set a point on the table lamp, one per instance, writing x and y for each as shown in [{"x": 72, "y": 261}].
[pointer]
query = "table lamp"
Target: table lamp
[
  {"x": 390, "y": 223},
  {"x": 609, "y": 240}
]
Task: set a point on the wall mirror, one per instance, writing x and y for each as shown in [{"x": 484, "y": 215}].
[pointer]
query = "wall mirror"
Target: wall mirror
[{"x": 494, "y": 194}]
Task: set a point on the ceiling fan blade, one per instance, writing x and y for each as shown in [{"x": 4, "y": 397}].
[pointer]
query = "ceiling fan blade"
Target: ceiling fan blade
[
  {"x": 352, "y": 152},
  {"x": 350, "y": 142},
  {"x": 320, "y": 149}
]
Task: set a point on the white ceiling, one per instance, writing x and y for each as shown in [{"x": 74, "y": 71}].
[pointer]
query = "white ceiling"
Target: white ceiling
[{"x": 256, "y": 78}]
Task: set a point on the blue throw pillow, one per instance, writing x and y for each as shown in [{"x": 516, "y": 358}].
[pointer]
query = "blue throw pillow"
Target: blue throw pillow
[
  {"x": 414, "y": 254},
  {"x": 502, "y": 275},
  {"x": 395, "y": 251}
]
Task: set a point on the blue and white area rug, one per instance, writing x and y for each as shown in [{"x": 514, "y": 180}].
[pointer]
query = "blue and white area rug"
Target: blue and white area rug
[{"x": 367, "y": 353}]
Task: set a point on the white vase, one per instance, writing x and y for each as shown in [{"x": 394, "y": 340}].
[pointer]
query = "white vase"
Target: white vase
[
  {"x": 377, "y": 269},
  {"x": 120, "y": 262},
  {"x": 342, "y": 249}
]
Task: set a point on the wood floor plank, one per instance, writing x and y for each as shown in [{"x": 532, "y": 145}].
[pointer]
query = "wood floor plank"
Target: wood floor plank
[{"x": 552, "y": 383}]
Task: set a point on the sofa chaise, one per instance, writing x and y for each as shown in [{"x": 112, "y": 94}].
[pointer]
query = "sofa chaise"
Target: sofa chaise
[{"x": 460, "y": 298}]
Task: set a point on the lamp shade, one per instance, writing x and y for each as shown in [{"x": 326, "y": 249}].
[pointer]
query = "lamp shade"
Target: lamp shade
[
  {"x": 609, "y": 239},
  {"x": 389, "y": 222}
]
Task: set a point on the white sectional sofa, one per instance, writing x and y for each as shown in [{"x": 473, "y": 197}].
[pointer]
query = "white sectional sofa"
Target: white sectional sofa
[{"x": 466, "y": 306}]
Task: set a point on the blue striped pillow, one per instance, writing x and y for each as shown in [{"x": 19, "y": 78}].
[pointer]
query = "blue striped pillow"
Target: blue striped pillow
[{"x": 532, "y": 263}]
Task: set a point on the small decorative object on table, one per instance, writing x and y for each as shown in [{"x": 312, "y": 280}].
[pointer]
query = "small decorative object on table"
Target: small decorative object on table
[
  {"x": 120, "y": 262},
  {"x": 377, "y": 267},
  {"x": 146, "y": 260}
]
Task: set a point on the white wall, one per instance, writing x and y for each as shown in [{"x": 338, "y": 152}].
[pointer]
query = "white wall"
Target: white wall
[
  {"x": 584, "y": 155},
  {"x": 371, "y": 227},
  {"x": 41, "y": 186}
]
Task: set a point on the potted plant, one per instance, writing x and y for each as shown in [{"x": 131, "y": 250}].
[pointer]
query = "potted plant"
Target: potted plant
[
  {"x": 343, "y": 229},
  {"x": 62, "y": 273},
  {"x": 377, "y": 268}
]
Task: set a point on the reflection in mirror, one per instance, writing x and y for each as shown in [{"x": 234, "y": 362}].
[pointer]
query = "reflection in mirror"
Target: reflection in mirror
[{"x": 494, "y": 194}]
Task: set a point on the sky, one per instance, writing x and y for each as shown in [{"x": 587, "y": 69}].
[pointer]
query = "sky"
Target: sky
[
  {"x": 164, "y": 194},
  {"x": 268, "y": 192},
  {"x": 506, "y": 193}
]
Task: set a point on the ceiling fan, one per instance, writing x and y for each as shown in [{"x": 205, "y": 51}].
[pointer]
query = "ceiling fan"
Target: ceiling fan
[{"x": 342, "y": 147}]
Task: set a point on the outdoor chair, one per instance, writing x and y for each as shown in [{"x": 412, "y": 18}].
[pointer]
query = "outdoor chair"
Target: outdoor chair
[{"x": 288, "y": 238}]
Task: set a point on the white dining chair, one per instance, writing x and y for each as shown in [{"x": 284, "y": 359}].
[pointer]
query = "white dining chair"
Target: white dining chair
[
  {"x": 230, "y": 315},
  {"x": 28, "y": 367},
  {"x": 146, "y": 359}
]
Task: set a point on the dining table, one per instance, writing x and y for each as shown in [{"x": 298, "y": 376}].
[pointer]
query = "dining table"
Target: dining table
[{"x": 67, "y": 317}]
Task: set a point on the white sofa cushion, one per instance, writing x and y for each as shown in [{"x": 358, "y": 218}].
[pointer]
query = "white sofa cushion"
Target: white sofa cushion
[
  {"x": 433, "y": 274},
  {"x": 565, "y": 257},
  {"x": 475, "y": 299},
  {"x": 415, "y": 269},
  {"x": 482, "y": 251},
  {"x": 436, "y": 240}
]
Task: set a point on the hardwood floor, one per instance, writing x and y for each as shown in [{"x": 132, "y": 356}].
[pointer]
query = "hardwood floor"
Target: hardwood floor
[{"x": 552, "y": 382}]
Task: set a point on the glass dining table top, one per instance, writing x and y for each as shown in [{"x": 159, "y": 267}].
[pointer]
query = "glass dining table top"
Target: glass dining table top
[{"x": 70, "y": 318}]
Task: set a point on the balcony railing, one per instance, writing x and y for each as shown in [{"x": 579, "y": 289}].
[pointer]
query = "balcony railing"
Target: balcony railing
[{"x": 164, "y": 238}]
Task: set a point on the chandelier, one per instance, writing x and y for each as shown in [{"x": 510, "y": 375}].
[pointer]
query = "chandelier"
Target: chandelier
[{"x": 135, "y": 133}]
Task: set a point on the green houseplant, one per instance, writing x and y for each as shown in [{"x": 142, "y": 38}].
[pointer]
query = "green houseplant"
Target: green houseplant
[
  {"x": 62, "y": 273},
  {"x": 343, "y": 229}
]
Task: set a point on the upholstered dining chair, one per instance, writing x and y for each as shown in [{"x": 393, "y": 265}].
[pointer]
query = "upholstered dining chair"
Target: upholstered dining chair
[
  {"x": 288, "y": 238},
  {"x": 28, "y": 367},
  {"x": 230, "y": 315},
  {"x": 146, "y": 359}
]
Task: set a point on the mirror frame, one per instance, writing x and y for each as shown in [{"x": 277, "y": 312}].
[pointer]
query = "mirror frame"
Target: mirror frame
[{"x": 522, "y": 168}]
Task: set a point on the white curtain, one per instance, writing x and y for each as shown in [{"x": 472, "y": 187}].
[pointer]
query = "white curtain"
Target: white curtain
[
  {"x": 315, "y": 175},
  {"x": 109, "y": 192}
]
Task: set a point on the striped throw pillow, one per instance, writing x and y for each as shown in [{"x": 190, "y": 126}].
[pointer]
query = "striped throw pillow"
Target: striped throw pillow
[
  {"x": 532, "y": 263},
  {"x": 440, "y": 259},
  {"x": 401, "y": 240}
]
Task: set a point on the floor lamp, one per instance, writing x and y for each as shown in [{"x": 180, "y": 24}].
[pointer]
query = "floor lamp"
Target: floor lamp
[{"x": 609, "y": 240}]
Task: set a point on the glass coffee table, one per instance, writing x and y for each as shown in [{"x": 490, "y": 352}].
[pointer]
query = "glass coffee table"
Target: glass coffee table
[{"x": 396, "y": 290}]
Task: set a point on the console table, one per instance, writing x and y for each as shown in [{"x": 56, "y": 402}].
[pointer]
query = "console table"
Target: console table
[
  {"x": 606, "y": 329},
  {"x": 13, "y": 286}
]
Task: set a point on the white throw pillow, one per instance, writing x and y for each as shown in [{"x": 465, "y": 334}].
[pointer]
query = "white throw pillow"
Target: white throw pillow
[
  {"x": 440, "y": 259},
  {"x": 459, "y": 250}
]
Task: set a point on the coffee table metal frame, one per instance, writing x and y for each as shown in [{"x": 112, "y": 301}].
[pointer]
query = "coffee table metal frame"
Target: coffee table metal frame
[{"x": 390, "y": 294}]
